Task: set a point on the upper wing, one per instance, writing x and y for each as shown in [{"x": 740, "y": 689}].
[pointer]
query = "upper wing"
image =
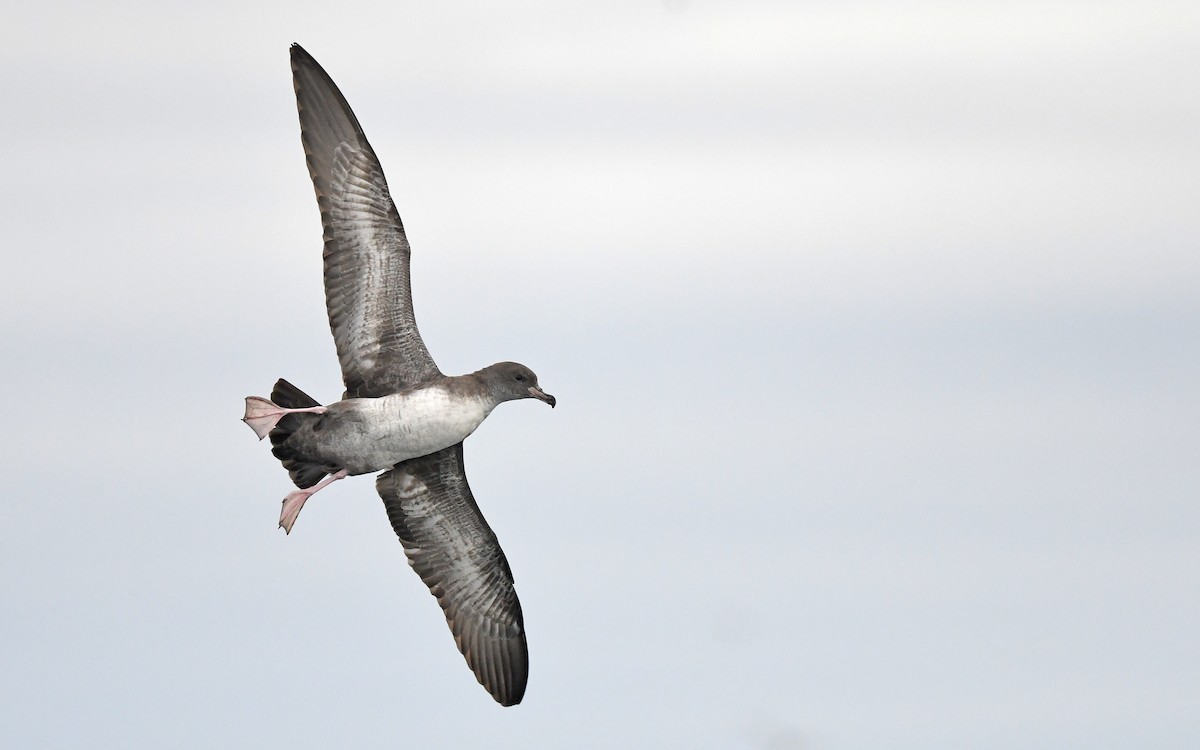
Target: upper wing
[
  {"x": 367, "y": 288},
  {"x": 457, "y": 555}
]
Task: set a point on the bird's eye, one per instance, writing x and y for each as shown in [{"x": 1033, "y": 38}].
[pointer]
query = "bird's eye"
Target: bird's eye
[{"x": 520, "y": 378}]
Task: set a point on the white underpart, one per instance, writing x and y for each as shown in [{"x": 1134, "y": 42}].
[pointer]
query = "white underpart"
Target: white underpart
[
  {"x": 429, "y": 419},
  {"x": 408, "y": 425}
]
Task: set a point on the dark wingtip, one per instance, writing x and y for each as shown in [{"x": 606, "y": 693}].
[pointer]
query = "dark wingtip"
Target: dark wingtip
[
  {"x": 509, "y": 694},
  {"x": 300, "y": 56}
]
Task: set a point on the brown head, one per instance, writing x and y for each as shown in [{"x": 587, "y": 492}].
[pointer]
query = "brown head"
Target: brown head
[{"x": 509, "y": 381}]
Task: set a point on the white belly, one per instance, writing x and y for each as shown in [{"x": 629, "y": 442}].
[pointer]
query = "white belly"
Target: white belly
[
  {"x": 397, "y": 428},
  {"x": 429, "y": 420}
]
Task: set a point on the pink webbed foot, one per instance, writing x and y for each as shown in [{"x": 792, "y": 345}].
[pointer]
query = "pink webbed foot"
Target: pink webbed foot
[
  {"x": 262, "y": 415},
  {"x": 294, "y": 502}
]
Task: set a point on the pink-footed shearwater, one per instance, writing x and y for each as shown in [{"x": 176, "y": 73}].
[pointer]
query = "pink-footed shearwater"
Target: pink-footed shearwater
[{"x": 399, "y": 412}]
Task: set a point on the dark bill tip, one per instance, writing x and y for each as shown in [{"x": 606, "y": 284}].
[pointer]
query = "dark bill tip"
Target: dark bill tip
[{"x": 541, "y": 395}]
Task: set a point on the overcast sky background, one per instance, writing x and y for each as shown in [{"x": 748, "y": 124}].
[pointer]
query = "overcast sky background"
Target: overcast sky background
[{"x": 873, "y": 328}]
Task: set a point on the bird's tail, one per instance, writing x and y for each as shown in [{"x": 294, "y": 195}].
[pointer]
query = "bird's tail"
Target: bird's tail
[
  {"x": 303, "y": 473},
  {"x": 263, "y": 415},
  {"x": 290, "y": 397}
]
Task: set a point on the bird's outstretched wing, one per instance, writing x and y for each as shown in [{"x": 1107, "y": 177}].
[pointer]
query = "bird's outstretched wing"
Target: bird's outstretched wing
[
  {"x": 457, "y": 555},
  {"x": 369, "y": 298},
  {"x": 367, "y": 288}
]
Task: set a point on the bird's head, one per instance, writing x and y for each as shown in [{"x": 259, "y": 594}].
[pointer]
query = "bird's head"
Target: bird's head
[{"x": 509, "y": 381}]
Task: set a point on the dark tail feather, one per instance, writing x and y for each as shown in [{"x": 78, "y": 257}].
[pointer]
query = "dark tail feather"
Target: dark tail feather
[
  {"x": 290, "y": 397},
  {"x": 303, "y": 473}
]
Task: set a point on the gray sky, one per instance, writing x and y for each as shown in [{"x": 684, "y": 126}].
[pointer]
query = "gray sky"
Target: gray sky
[{"x": 873, "y": 328}]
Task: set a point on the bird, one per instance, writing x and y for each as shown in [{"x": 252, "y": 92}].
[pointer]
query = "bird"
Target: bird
[{"x": 399, "y": 414}]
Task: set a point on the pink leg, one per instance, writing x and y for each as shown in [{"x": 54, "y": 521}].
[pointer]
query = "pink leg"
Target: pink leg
[
  {"x": 295, "y": 501},
  {"x": 262, "y": 415}
]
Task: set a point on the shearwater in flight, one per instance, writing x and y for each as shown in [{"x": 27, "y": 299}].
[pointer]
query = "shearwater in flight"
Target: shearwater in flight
[{"x": 399, "y": 414}]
